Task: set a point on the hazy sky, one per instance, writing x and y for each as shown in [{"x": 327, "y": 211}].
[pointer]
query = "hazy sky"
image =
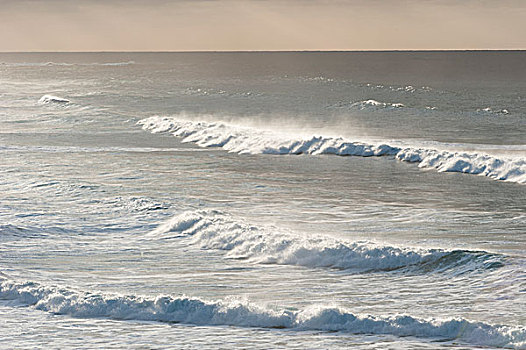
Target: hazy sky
[{"x": 181, "y": 25}]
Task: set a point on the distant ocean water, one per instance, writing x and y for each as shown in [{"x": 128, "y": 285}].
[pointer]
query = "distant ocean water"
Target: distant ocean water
[{"x": 263, "y": 200}]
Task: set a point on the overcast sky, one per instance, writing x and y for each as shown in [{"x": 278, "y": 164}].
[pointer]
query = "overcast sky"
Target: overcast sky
[{"x": 183, "y": 25}]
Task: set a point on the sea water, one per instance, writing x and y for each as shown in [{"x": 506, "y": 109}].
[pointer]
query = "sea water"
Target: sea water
[{"x": 263, "y": 200}]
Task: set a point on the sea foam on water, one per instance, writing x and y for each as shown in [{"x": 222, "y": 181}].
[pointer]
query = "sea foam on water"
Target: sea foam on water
[{"x": 241, "y": 139}]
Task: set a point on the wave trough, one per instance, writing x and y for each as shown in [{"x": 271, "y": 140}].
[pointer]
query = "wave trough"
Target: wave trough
[
  {"x": 244, "y": 314},
  {"x": 246, "y": 140}
]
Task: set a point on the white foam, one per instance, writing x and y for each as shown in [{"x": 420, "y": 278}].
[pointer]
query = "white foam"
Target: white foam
[
  {"x": 241, "y": 140},
  {"x": 238, "y": 139},
  {"x": 244, "y": 314},
  {"x": 211, "y": 229},
  {"x": 490, "y": 111},
  {"x": 367, "y": 104},
  {"x": 513, "y": 170},
  {"x": 52, "y": 99}
]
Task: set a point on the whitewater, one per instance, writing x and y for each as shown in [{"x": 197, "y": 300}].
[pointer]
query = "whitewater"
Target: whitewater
[
  {"x": 202, "y": 312},
  {"x": 212, "y": 229},
  {"x": 263, "y": 200},
  {"x": 249, "y": 140}
]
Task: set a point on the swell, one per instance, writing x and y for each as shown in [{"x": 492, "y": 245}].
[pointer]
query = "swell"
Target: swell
[
  {"x": 245, "y": 140},
  {"x": 244, "y": 314},
  {"x": 269, "y": 245}
]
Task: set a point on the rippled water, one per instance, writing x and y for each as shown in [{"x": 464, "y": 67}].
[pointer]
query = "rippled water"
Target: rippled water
[{"x": 307, "y": 200}]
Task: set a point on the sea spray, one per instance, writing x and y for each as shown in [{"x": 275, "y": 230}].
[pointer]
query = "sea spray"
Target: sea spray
[{"x": 240, "y": 139}]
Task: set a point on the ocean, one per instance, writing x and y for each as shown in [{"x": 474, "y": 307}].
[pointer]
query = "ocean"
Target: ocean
[{"x": 263, "y": 200}]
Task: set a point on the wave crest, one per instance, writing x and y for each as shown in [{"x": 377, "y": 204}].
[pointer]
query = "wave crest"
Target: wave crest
[
  {"x": 245, "y": 140},
  {"x": 269, "y": 245},
  {"x": 244, "y": 314},
  {"x": 249, "y": 140}
]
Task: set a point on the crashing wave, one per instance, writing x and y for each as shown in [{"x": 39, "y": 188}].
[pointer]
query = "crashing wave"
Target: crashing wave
[
  {"x": 245, "y": 140},
  {"x": 269, "y": 245},
  {"x": 197, "y": 311},
  {"x": 52, "y": 99},
  {"x": 513, "y": 170},
  {"x": 252, "y": 141}
]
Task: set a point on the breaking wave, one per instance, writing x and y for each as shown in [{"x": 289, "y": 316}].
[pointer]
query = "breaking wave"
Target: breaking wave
[
  {"x": 244, "y": 314},
  {"x": 491, "y": 112},
  {"x": 242, "y": 140},
  {"x": 367, "y": 104},
  {"x": 211, "y": 229},
  {"x": 52, "y": 99},
  {"x": 400, "y": 88}
]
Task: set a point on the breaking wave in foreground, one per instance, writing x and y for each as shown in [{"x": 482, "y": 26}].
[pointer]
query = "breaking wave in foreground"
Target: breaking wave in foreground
[
  {"x": 244, "y": 314},
  {"x": 245, "y": 140},
  {"x": 211, "y": 229}
]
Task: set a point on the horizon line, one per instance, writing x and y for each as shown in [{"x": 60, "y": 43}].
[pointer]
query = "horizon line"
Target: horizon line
[{"x": 268, "y": 51}]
